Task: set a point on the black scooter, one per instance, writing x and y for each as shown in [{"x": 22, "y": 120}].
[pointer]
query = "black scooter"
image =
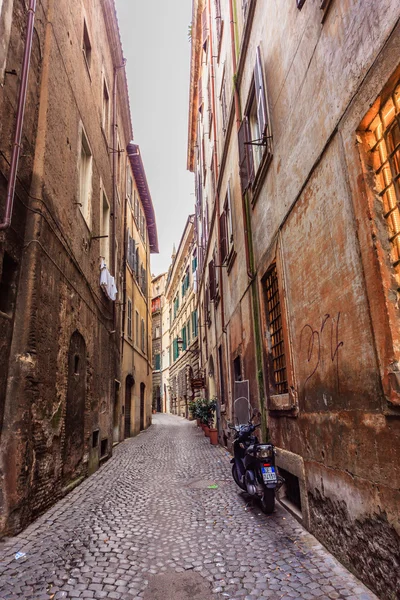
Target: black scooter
[{"x": 253, "y": 465}]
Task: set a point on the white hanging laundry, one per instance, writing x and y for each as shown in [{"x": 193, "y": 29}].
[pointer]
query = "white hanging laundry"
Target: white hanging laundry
[{"x": 107, "y": 282}]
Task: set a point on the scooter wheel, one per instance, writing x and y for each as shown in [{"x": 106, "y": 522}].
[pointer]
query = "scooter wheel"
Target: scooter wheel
[
  {"x": 268, "y": 501},
  {"x": 236, "y": 477}
]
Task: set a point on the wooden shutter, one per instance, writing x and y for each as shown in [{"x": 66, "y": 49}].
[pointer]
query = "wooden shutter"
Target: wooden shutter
[
  {"x": 246, "y": 166},
  {"x": 204, "y": 28},
  {"x": 223, "y": 241},
  {"x": 211, "y": 275},
  {"x": 218, "y": 19},
  {"x": 260, "y": 95}
]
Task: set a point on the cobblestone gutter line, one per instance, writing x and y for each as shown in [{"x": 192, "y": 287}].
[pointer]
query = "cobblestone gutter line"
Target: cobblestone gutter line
[{"x": 149, "y": 511}]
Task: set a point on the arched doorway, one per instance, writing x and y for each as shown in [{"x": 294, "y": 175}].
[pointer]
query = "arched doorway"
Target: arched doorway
[
  {"x": 129, "y": 382},
  {"x": 211, "y": 378},
  {"x": 142, "y": 389},
  {"x": 74, "y": 440},
  {"x": 158, "y": 399}
]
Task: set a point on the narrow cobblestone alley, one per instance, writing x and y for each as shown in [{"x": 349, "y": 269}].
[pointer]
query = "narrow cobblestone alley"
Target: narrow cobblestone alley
[{"x": 149, "y": 513}]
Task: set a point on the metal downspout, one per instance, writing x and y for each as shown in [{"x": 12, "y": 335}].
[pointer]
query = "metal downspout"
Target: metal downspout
[{"x": 5, "y": 224}]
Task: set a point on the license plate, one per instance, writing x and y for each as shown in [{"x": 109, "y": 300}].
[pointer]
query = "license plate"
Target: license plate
[{"x": 269, "y": 474}]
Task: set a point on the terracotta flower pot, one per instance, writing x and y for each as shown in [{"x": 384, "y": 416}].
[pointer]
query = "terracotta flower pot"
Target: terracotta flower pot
[
  {"x": 207, "y": 431},
  {"x": 213, "y": 435}
]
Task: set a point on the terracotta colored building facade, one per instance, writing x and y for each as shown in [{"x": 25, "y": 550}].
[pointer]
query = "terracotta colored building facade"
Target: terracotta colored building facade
[
  {"x": 62, "y": 260},
  {"x": 181, "y": 297},
  {"x": 294, "y": 143}
]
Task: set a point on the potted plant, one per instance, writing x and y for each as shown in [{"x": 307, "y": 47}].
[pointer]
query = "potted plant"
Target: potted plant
[
  {"x": 213, "y": 431},
  {"x": 194, "y": 410}
]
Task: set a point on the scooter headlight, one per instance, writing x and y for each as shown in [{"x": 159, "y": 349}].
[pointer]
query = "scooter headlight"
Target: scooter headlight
[{"x": 264, "y": 451}]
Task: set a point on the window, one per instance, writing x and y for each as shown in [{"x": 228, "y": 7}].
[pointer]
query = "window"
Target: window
[
  {"x": 204, "y": 29},
  {"x": 385, "y": 151},
  {"x": 105, "y": 117},
  {"x": 218, "y": 20},
  {"x": 105, "y": 229},
  {"x": 85, "y": 179},
  {"x": 200, "y": 94},
  {"x": 136, "y": 207},
  {"x": 175, "y": 349},
  {"x": 194, "y": 261},
  {"x": 137, "y": 262},
  {"x": 8, "y": 284},
  {"x": 300, "y": 4},
  {"x": 194, "y": 324},
  {"x": 325, "y": 4},
  {"x": 226, "y": 228},
  {"x": 129, "y": 184},
  {"x": 185, "y": 282},
  {"x": 95, "y": 438},
  {"x": 137, "y": 328},
  {"x": 86, "y": 46},
  {"x": 131, "y": 251},
  {"x": 237, "y": 369},
  {"x": 142, "y": 336},
  {"x": 103, "y": 447},
  {"x": 129, "y": 319},
  {"x": 184, "y": 338},
  {"x": 176, "y": 305},
  {"x": 156, "y": 332},
  {"x": 157, "y": 362},
  {"x": 188, "y": 332},
  {"x": 143, "y": 279},
  {"x": 224, "y": 108},
  {"x": 275, "y": 331},
  {"x": 212, "y": 279},
  {"x": 210, "y": 112},
  {"x": 254, "y": 134}
]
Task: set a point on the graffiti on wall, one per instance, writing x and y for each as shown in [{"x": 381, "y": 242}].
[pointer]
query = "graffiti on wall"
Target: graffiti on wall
[{"x": 320, "y": 342}]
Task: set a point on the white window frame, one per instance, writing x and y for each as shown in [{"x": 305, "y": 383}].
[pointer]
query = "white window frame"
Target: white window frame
[{"x": 85, "y": 170}]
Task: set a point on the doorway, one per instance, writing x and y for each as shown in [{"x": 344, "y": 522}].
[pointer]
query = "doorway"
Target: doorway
[
  {"x": 74, "y": 442},
  {"x": 158, "y": 399},
  {"x": 142, "y": 389},
  {"x": 128, "y": 406}
]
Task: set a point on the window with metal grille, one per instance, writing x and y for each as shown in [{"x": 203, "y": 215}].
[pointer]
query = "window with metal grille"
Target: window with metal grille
[
  {"x": 274, "y": 319},
  {"x": 385, "y": 149}
]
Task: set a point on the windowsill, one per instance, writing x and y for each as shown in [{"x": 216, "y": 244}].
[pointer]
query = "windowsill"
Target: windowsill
[{"x": 282, "y": 402}]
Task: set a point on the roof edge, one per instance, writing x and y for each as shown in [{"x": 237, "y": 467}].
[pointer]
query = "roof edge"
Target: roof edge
[{"x": 135, "y": 158}]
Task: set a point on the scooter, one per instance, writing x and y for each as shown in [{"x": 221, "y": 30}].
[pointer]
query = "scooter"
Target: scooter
[{"x": 253, "y": 464}]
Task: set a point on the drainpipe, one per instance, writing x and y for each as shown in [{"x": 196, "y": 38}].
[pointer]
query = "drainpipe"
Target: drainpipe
[
  {"x": 5, "y": 224},
  {"x": 114, "y": 166}
]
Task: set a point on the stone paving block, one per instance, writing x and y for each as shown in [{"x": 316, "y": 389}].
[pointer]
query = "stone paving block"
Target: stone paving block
[{"x": 147, "y": 511}]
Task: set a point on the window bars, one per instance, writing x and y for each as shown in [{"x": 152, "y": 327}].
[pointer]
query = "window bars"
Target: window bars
[
  {"x": 386, "y": 160},
  {"x": 276, "y": 331}
]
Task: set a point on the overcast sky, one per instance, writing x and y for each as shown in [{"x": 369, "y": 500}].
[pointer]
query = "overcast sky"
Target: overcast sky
[{"x": 155, "y": 43}]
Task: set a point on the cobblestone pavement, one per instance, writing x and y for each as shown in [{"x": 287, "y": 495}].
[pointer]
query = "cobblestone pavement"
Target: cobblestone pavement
[{"x": 149, "y": 511}]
